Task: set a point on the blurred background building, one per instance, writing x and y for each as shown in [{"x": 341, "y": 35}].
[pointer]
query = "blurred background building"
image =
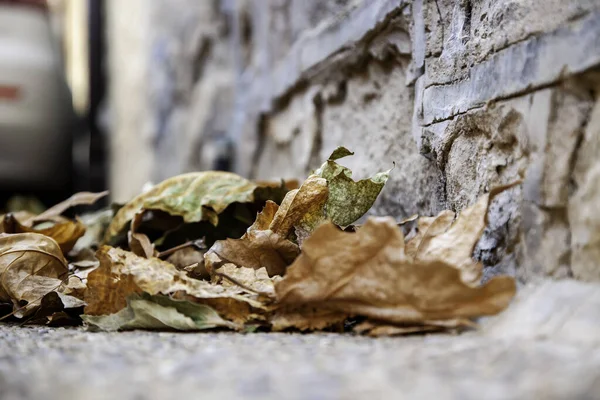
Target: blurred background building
[{"x": 462, "y": 95}]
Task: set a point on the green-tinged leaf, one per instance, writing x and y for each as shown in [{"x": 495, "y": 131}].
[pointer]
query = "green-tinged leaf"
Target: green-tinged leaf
[
  {"x": 348, "y": 199},
  {"x": 159, "y": 312},
  {"x": 340, "y": 152},
  {"x": 198, "y": 196}
]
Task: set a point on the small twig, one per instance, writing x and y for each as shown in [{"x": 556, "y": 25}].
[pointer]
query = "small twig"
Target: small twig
[
  {"x": 194, "y": 243},
  {"x": 238, "y": 283}
]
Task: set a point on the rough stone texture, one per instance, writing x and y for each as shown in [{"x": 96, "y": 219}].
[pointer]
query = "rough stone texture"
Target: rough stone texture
[
  {"x": 545, "y": 346},
  {"x": 582, "y": 210},
  {"x": 462, "y": 95}
]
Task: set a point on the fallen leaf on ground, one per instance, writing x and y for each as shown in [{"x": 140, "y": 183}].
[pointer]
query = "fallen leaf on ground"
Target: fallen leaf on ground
[
  {"x": 53, "y": 310},
  {"x": 446, "y": 239},
  {"x": 367, "y": 273},
  {"x": 31, "y": 266},
  {"x": 122, "y": 273},
  {"x": 82, "y": 198},
  {"x": 139, "y": 243},
  {"x": 255, "y": 280},
  {"x": 257, "y": 248},
  {"x": 159, "y": 312},
  {"x": 438, "y": 224},
  {"x": 197, "y": 196},
  {"x": 305, "y": 318},
  {"x": 376, "y": 329},
  {"x": 63, "y": 230}
]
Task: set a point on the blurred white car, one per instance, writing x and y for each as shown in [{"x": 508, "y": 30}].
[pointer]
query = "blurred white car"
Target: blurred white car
[{"x": 36, "y": 112}]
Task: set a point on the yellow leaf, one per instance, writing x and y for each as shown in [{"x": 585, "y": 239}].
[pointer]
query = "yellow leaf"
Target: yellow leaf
[{"x": 64, "y": 231}]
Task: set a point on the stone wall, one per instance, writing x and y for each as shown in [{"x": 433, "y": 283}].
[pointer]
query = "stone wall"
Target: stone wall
[{"x": 462, "y": 95}]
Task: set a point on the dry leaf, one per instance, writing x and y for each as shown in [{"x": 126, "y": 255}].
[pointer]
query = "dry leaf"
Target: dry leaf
[
  {"x": 438, "y": 224},
  {"x": 452, "y": 240},
  {"x": 348, "y": 200},
  {"x": 31, "y": 266},
  {"x": 304, "y": 207},
  {"x": 122, "y": 273},
  {"x": 95, "y": 225},
  {"x": 57, "y": 309},
  {"x": 64, "y": 231},
  {"x": 305, "y": 319},
  {"x": 367, "y": 273},
  {"x": 82, "y": 198},
  {"x": 254, "y": 280},
  {"x": 140, "y": 245},
  {"x": 159, "y": 312},
  {"x": 256, "y": 248},
  {"x": 198, "y": 196},
  {"x": 191, "y": 260},
  {"x": 376, "y": 329},
  {"x": 264, "y": 219}
]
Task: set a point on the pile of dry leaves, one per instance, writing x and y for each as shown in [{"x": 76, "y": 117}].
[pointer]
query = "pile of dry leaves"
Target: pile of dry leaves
[{"x": 214, "y": 250}]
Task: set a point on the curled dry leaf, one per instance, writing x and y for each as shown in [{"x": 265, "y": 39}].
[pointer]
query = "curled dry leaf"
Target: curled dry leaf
[
  {"x": 303, "y": 208},
  {"x": 63, "y": 230},
  {"x": 122, "y": 273},
  {"x": 31, "y": 266},
  {"x": 446, "y": 239},
  {"x": 82, "y": 198},
  {"x": 139, "y": 243},
  {"x": 198, "y": 196},
  {"x": 367, "y": 273},
  {"x": 257, "y": 248},
  {"x": 438, "y": 224},
  {"x": 264, "y": 219},
  {"x": 159, "y": 312}
]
